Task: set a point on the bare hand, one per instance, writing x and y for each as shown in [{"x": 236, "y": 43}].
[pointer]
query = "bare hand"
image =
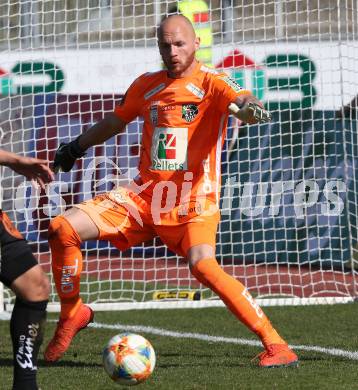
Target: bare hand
[{"x": 33, "y": 169}]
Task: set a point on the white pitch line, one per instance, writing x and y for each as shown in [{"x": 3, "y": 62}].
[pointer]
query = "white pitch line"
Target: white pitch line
[{"x": 352, "y": 355}]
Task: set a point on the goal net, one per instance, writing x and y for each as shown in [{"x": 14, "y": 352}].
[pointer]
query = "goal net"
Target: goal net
[{"x": 289, "y": 188}]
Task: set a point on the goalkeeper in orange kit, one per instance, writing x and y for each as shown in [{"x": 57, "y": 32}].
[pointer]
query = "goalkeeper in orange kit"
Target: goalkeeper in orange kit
[{"x": 176, "y": 194}]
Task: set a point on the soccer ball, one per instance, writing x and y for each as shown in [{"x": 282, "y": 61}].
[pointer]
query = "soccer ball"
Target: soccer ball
[{"x": 128, "y": 359}]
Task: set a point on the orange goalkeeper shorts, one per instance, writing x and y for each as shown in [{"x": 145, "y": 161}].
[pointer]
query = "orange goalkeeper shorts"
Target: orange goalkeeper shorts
[{"x": 127, "y": 219}]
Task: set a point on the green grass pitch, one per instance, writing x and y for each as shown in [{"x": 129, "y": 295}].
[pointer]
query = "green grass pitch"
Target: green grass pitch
[{"x": 193, "y": 363}]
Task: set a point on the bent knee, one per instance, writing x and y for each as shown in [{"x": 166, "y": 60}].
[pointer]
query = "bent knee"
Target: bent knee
[
  {"x": 198, "y": 253},
  {"x": 193, "y": 262},
  {"x": 44, "y": 288},
  {"x": 55, "y": 228},
  {"x": 33, "y": 285},
  {"x": 60, "y": 230}
]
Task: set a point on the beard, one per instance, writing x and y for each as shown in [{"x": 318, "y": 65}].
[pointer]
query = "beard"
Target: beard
[{"x": 179, "y": 66}]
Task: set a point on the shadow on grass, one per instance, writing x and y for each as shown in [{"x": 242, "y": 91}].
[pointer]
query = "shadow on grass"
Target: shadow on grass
[
  {"x": 68, "y": 363},
  {"x": 328, "y": 359},
  {"x": 200, "y": 364},
  {"x": 198, "y": 360},
  {"x": 215, "y": 355},
  {"x": 63, "y": 363}
]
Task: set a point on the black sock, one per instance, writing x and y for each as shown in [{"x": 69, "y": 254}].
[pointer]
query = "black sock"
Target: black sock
[{"x": 26, "y": 328}]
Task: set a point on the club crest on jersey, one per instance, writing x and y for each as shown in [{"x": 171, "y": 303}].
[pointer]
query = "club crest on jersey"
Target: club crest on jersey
[
  {"x": 169, "y": 149},
  {"x": 189, "y": 112}
]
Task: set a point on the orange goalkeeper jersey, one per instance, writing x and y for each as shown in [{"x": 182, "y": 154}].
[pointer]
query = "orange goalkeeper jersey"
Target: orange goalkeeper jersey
[{"x": 184, "y": 127}]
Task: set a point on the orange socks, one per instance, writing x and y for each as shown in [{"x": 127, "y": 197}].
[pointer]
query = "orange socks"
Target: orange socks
[
  {"x": 66, "y": 264},
  {"x": 237, "y": 299}
]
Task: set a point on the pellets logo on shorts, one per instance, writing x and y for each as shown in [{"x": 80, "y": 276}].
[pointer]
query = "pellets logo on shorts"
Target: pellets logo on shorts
[
  {"x": 189, "y": 112},
  {"x": 169, "y": 149}
]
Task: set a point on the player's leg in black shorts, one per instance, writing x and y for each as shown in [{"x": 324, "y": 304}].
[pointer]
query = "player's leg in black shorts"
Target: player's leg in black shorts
[
  {"x": 16, "y": 256},
  {"x": 28, "y": 317}
]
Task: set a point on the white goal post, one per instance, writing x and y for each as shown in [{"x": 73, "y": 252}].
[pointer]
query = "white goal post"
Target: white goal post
[{"x": 289, "y": 189}]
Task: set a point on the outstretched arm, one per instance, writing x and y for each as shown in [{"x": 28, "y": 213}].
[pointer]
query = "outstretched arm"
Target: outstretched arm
[
  {"x": 32, "y": 168},
  {"x": 101, "y": 131},
  {"x": 249, "y": 109},
  {"x": 67, "y": 154}
]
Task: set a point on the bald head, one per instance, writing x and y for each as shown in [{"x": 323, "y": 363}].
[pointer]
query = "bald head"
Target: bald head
[
  {"x": 176, "y": 22},
  {"x": 177, "y": 45}
]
